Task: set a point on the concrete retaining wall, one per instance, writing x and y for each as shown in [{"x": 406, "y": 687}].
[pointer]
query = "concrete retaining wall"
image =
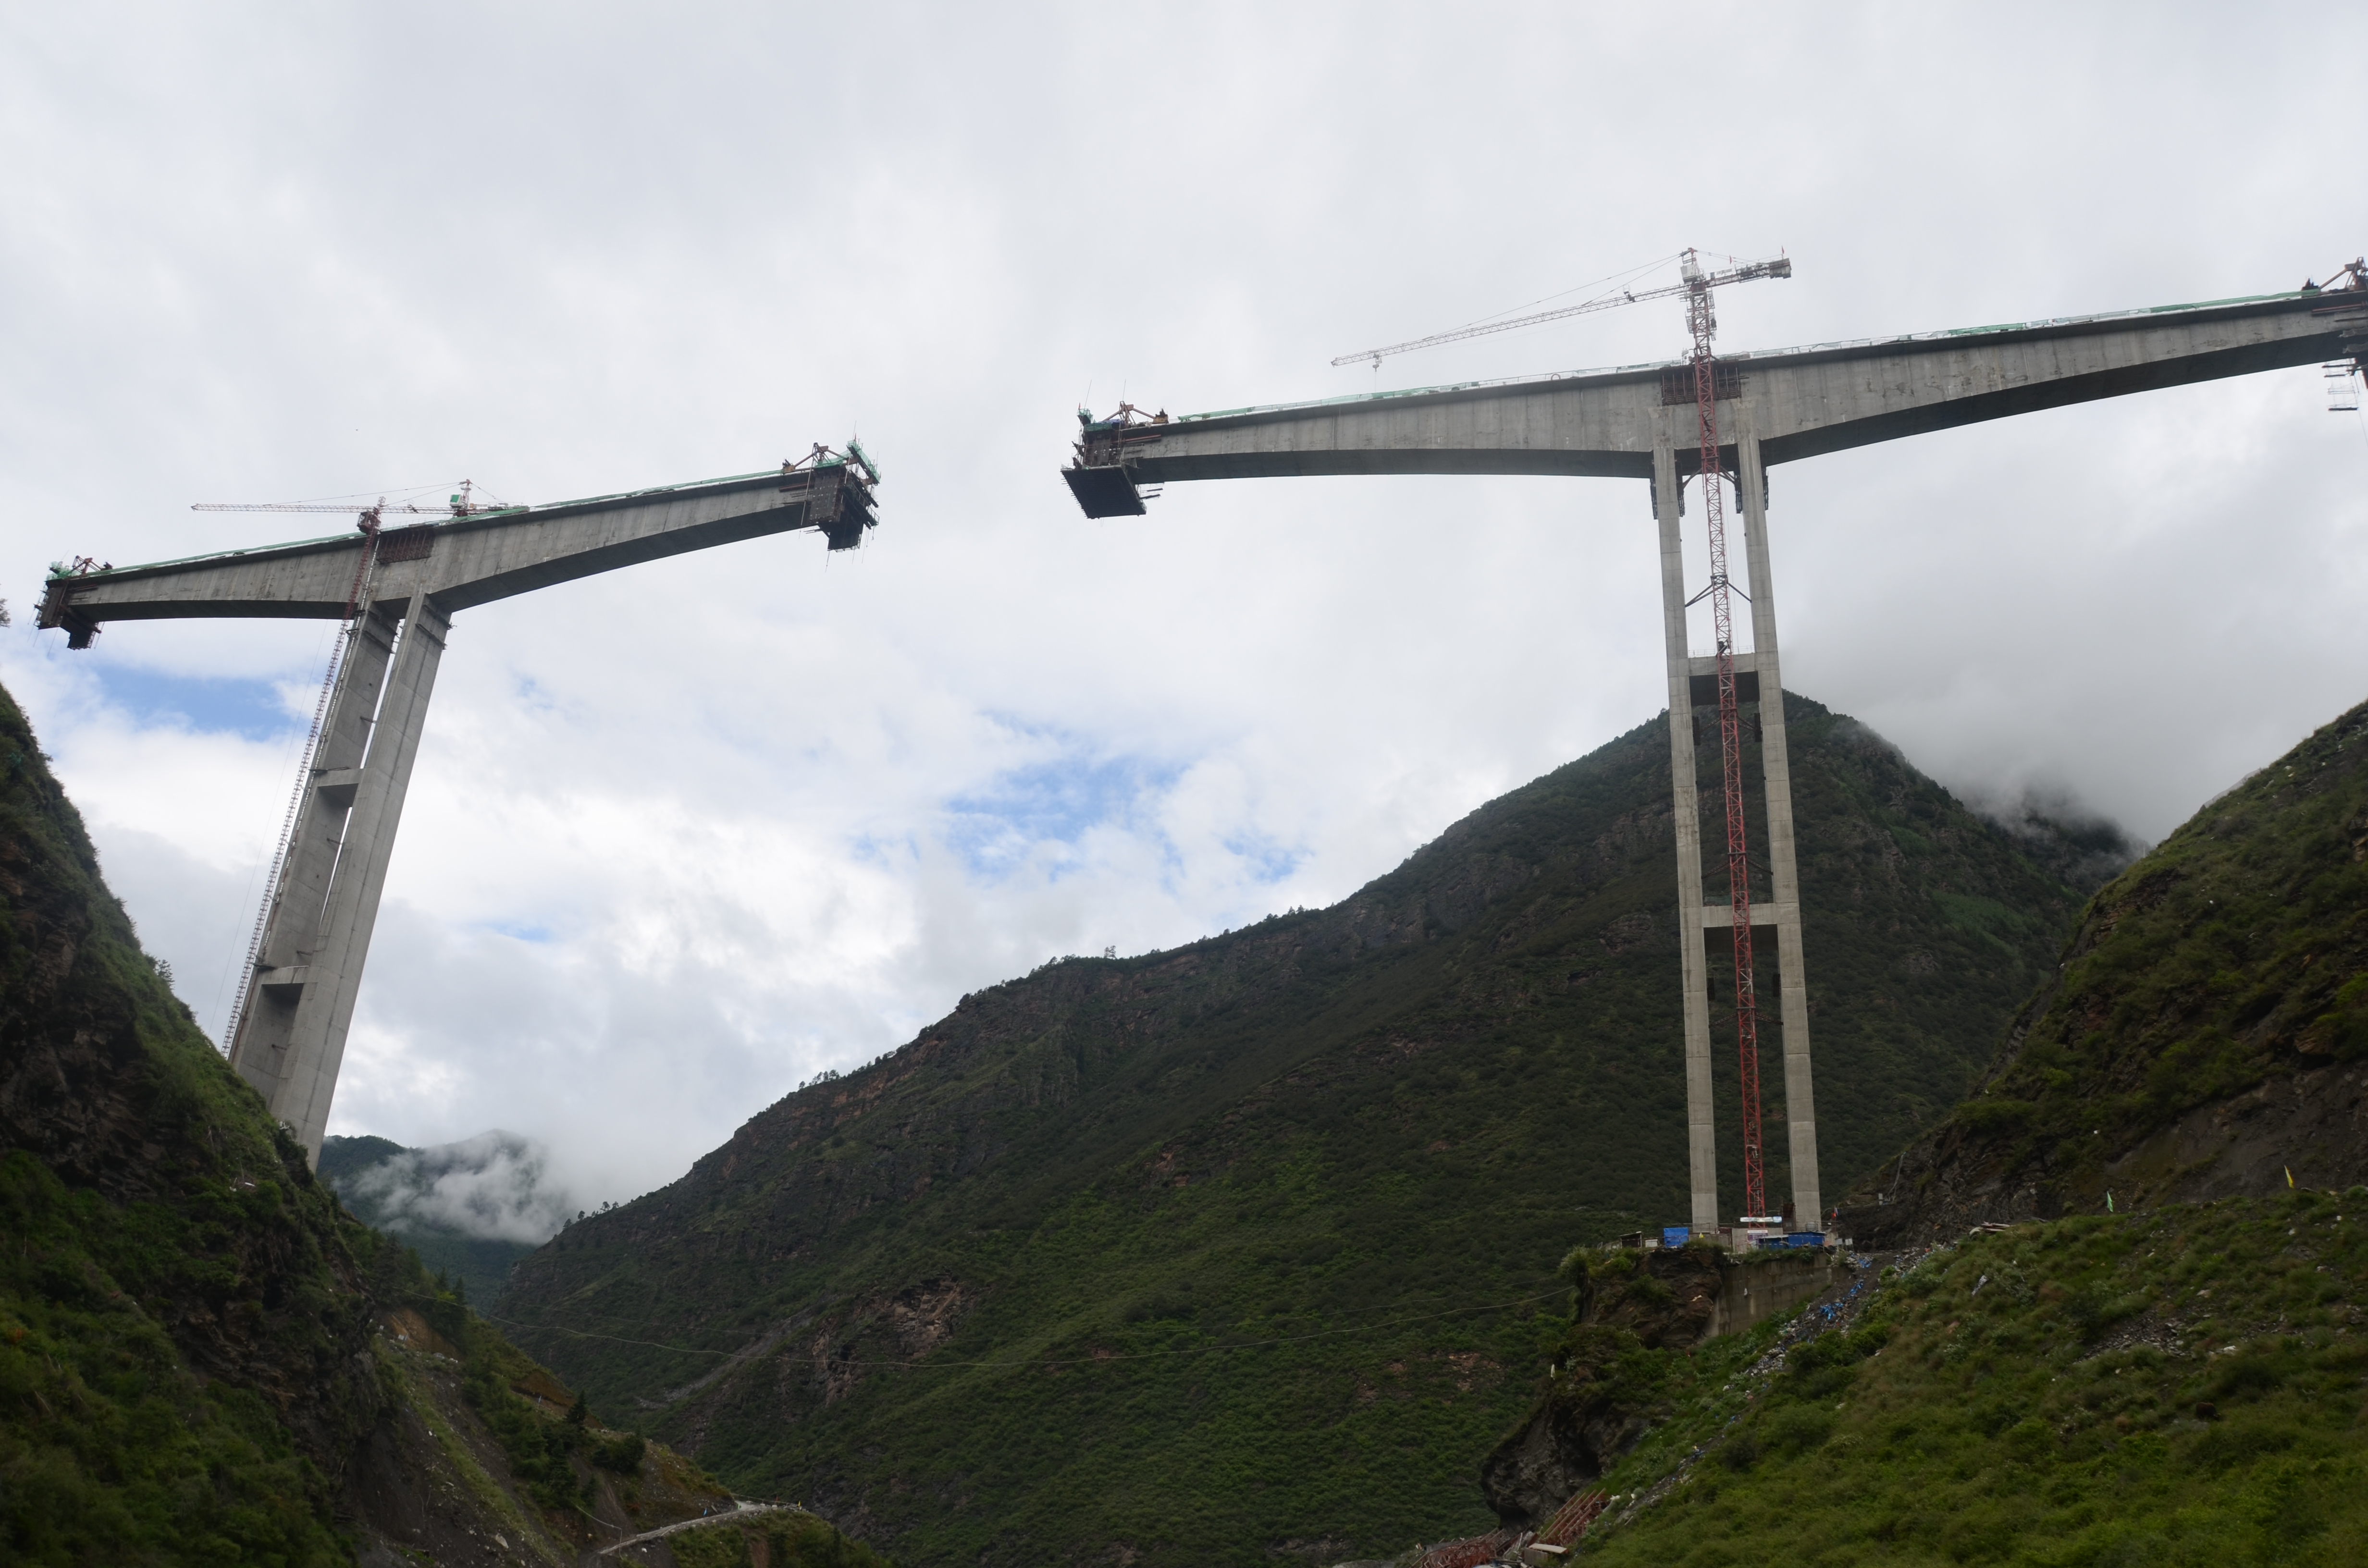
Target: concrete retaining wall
[{"x": 1749, "y": 1291}]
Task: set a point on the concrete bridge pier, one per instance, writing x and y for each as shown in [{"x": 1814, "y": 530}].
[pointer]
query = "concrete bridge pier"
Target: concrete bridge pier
[
  {"x": 1775, "y": 407},
  {"x": 1784, "y": 876},
  {"x": 1693, "y": 684},
  {"x": 1701, "y": 1121},
  {"x": 300, "y": 1002},
  {"x": 261, "y": 1049}
]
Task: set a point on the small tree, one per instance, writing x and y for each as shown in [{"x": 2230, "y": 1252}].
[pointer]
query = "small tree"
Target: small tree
[{"x": 622, "y": 1455}]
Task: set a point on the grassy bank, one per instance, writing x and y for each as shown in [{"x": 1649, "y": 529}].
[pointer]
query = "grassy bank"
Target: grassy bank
[{"x": 2183, "y": 1386}]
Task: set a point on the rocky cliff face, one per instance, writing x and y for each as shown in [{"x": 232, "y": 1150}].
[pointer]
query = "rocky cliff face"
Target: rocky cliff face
[
  {"x": 1602, "y": 1395},
  {"x": 2202, "y": 1034},
  {"x": 1107, "y": 1175},
  {"x": 1605, "y": 1388}
]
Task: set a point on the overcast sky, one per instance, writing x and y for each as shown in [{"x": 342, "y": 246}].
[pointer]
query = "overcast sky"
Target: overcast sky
[{"x": 682, "y": 836}]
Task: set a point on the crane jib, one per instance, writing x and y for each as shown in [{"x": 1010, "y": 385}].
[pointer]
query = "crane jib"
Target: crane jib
[{"x": 1781, "y": 266}]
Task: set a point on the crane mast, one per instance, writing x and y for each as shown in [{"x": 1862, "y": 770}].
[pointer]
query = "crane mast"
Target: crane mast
[{"x": 1702, "y": 321}]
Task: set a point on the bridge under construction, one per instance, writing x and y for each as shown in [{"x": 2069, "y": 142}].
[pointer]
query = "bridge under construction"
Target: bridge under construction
[
  {"x": 397, "y": 589},
  {"x": 1727, "y": 420}
]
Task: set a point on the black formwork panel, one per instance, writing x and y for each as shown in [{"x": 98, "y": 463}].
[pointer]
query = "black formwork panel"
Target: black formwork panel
[{"x": 1105, "y": 492}]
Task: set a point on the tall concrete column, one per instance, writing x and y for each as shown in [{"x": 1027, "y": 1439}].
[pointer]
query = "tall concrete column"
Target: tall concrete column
[
  {"x": 1701, "y": 1139},
  {"x": 1799, "y": 1092},
  {"x": 292, "y": 927},
  {"x": 315, "y": 992}
]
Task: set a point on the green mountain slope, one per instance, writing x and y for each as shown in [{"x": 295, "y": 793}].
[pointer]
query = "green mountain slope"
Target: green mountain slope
[
  {"x": 1178, "y": 1255},
  {"x": 2181, "y": 1387},
  {"x": 202, "y": 1358},
  {"x": 2205, "y": 1033},
  {"x": 181, "y": 1310},
  {"x": 342, "y": 1158}
]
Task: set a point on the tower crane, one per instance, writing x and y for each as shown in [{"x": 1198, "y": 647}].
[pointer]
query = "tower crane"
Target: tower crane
[
  {"x": 1695, "y": 280},
  {"x": 463, "y": 503},
  {"x": 1701, "y": 322},
  {"x": 1695, "y": 285}
]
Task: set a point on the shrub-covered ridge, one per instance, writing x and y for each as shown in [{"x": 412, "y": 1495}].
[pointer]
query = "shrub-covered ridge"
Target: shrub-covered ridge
[
  {"x": 203, "y": 1360},
  {"x": 2177, "y": 1387},
  {"x": 1175, "y": 1257},
  {"x": 183, "y": 1307},
  {"x": 2205, "y": 1033}
]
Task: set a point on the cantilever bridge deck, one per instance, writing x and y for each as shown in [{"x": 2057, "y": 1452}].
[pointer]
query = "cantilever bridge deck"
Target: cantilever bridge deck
[
  {"x": 469, "y": 561},
  {"x": 402, "y": 585},
  {"x": 1641, "y": 421},
  {"x": 1801, "y": 402}
]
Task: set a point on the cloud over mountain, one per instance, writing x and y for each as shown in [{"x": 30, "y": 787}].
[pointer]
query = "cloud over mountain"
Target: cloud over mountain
[{"x": 493, "y": 1186}]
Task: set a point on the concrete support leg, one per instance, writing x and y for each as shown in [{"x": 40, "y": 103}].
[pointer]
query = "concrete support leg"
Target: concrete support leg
[
  {"x": 1799, "y": 1091},
  {"x": 1701, "y": 1142},
  {"x": 317, "y": 991},
  {"x": 293, "y": 926}
]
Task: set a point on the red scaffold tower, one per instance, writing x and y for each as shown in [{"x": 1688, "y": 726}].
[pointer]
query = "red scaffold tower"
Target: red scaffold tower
[{"x": 1703, "y": 324}]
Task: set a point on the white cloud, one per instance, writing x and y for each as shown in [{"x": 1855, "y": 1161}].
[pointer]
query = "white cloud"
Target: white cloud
[
  {"x": 683, "y": 836},
  {"x": 494, "y": 1187}
]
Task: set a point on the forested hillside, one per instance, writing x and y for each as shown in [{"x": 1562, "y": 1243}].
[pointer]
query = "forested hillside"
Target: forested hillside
[
  {"x": 182, "y": 1307},
  {"x": 2204, "y": 1032},
  {"x": 203, "y": 1360},
  {"x": 1237, "y": 1249},
  {"x": 2074, "y": 1360},
  {"x": 2178, "y": 1387}
]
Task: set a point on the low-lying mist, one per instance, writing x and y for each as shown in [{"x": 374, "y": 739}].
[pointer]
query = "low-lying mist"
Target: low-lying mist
[{"x": 494, "y": 1186}]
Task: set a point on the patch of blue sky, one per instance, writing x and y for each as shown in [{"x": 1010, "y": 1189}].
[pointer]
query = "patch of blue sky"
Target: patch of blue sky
[
  {"x": 1056, "y": 801},
  {"x": 209, "y": 704},
  {"x": 533, "y": 696},
  {"x": 1268, "y": 861},
  {"x": 519, "y": 931},
  {"x": 883, "y": 848}
]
